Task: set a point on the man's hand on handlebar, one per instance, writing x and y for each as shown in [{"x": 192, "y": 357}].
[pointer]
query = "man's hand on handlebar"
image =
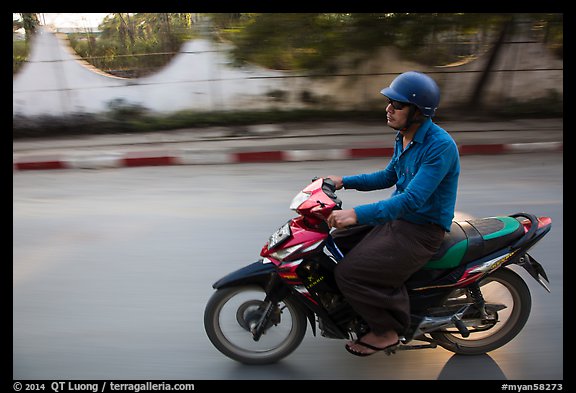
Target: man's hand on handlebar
[
  {"x": 342, "y": 218},
  {"x": 337, "y": 181}
]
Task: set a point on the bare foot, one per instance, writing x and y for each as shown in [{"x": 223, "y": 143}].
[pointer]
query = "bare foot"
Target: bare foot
[{"x": 381, "y": 341}]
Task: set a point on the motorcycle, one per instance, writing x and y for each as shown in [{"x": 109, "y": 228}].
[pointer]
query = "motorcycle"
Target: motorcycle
[{"x": 466, "y": 299}]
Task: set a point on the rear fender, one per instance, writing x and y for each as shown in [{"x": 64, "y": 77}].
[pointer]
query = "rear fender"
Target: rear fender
[
  {"x": 255, "y": 273},
  {"x": 535, "y": 269}
]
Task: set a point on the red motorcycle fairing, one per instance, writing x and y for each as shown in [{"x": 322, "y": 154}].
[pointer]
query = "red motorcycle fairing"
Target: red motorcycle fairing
[
  {"x": 288, "y": 255},
  {"x": 319, "y": 204},
  {"x": 302, "y": 240}
]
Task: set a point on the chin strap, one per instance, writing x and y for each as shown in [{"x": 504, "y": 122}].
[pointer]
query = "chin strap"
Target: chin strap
[{"x": 412, "y": 118}]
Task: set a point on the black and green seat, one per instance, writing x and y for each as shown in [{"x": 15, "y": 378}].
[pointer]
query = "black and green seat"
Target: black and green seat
[{"x": 473, "y": 239}]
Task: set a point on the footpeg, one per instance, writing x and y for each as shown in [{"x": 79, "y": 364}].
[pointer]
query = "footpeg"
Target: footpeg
[{"x": 418, "y": 346}]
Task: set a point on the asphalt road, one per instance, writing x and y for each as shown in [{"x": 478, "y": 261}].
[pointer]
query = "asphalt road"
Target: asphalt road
[{"x": 112, "y": 269}]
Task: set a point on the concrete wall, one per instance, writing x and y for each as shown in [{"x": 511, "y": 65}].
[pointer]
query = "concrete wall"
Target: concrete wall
[{"x": 55, "y": 81}]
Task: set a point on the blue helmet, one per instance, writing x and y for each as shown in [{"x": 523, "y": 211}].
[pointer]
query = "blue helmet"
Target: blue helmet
[{"x": 415, "y": 88}]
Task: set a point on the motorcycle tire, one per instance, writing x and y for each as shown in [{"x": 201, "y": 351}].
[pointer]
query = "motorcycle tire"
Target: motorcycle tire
[
  {"x": 516, "y": 314},
  {"x": 227, "y": 322}
]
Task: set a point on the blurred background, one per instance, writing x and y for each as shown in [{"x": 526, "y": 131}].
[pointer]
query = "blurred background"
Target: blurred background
[
  {"x": 142, "y": 71},
  {"x": 112, "y": 268}
]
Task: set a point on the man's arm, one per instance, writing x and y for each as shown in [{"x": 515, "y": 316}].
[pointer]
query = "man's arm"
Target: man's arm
[
  {"x": 379, "y": 180},
  {"x": 434, "y": 168}
]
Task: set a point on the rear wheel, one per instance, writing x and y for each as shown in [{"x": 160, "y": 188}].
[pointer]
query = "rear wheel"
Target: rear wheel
[
  {"x": 502, "y": 288},
  {"x": 230, "y": 315}
]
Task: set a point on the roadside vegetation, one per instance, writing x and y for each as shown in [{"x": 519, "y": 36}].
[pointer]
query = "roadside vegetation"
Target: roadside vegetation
[{"x": 133, "y": 45}]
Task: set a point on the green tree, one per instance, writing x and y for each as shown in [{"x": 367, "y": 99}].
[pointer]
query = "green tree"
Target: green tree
[
  {"x": 29, "y": 22},
  {"x": 135, "y": 44},
  {"x": 20, "y": 49},
  {"x": 315, "y": 41}
]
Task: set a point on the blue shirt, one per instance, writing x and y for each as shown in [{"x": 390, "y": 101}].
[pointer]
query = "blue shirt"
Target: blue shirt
[{"x": 426, "y": 178}]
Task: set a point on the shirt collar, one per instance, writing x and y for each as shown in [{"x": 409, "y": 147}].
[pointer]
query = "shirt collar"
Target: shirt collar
[
  {"x": 422, "y": 130},
  {"x": 420, "y": 133}
]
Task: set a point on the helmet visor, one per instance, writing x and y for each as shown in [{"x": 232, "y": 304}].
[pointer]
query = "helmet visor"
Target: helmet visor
[{"x": 394, "y": 95}]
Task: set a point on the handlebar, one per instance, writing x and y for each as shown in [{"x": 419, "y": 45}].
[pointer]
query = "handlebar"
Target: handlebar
[{"x": 329, "y": 188}]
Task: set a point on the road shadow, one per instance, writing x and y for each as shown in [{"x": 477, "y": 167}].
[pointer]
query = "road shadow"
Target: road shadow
[
  {"x": 277, "y": 371},
  {"x": 471, "y": 367}
]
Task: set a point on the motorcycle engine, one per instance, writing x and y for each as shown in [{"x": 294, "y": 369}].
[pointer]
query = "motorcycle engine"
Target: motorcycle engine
[{"x": 320, "y": 282}]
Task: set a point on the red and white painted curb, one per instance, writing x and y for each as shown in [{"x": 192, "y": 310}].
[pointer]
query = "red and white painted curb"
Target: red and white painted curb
[{"x": 98, "y": 160}]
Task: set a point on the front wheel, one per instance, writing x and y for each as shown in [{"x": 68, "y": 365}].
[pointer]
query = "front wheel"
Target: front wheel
[
  {"x": 230, "y": 315},
  {"x": 504, "y": 291}
]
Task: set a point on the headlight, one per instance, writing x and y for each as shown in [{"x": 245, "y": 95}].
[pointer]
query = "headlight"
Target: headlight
[
  {"x": 285, "y": 253},
  {"x": 299, "y": 199}
]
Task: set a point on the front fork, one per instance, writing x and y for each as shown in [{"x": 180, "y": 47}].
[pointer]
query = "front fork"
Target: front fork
[{"x": 275, "y": 292}]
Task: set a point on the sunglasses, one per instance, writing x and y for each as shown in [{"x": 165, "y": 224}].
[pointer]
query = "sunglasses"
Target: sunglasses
[{"x": 397, "y": 105}]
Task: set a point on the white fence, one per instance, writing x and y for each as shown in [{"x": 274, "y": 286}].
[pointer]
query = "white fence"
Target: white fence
[{"x": 55, "y": 81}]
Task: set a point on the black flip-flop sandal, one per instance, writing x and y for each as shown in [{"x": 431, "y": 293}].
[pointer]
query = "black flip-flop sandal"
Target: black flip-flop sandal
[{"x": 388, "y": 349}]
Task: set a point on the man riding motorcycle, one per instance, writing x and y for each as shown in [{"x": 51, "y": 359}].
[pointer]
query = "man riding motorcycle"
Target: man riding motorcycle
[{"x": 385, "y": 242}]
